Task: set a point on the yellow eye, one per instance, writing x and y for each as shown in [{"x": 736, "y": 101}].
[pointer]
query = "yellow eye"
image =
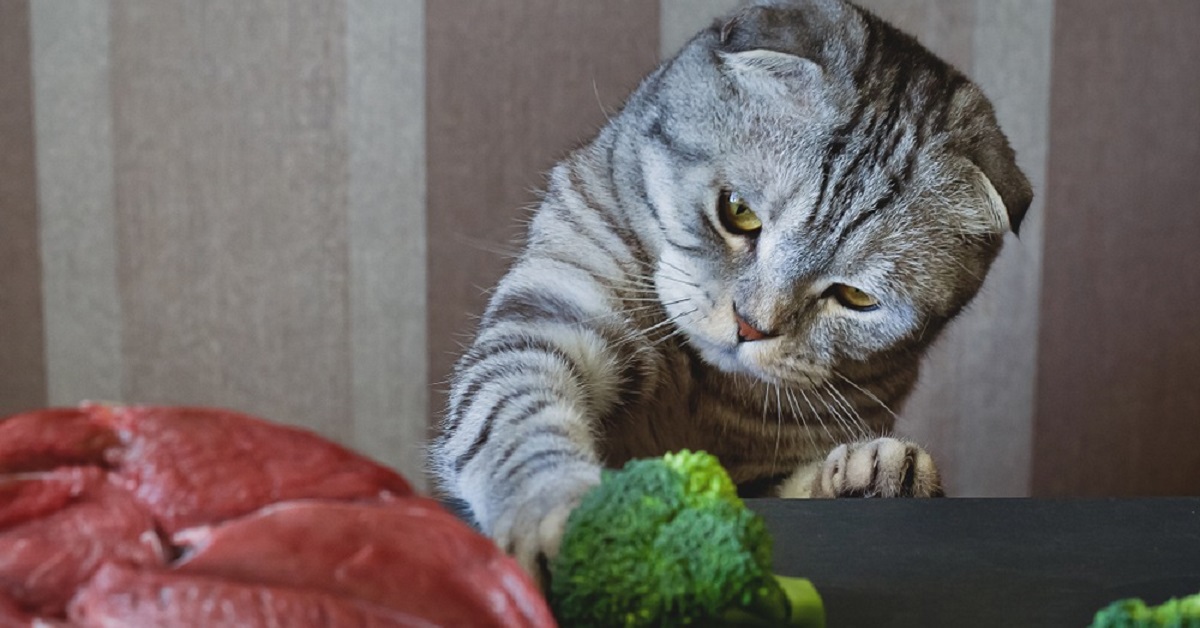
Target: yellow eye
[
  {"x": 736, "y": 215},
  {"x": 853, "y": 298}
]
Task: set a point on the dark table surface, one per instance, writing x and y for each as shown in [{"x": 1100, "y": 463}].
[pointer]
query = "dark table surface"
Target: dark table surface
[{"x": 967, "y": 563}]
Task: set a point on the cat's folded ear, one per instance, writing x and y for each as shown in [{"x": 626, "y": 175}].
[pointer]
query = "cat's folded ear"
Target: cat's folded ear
[
  {"x": 988, "y": 150},
  {"x": 800, "y": 29},
  {"x": 797, "y": 72},
  {"x": 767, "y": 42},
  {"x": 1003, "y": 182}
]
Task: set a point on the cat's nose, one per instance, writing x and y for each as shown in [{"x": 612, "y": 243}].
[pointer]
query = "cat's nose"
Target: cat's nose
[{"x": 747, "y": 332}]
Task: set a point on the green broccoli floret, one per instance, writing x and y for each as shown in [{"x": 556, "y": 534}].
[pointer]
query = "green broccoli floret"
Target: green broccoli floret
[
  {"x": 1133, "y": 613},
  {"x": 667, "y": 542}
]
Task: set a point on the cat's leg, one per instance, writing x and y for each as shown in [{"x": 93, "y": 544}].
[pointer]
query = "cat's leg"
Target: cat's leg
[
  {"x": 519, "y": 444},
  {"x": 884, "y": 467},
  {"x": 527, "y": 402}
]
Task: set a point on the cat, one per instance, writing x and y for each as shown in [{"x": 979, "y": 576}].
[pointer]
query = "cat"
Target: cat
[{"x": 750, "y": 259}]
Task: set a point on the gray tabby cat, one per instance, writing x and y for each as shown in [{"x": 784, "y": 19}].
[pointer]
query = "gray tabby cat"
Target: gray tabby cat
[{"x": 750, "y": 259}]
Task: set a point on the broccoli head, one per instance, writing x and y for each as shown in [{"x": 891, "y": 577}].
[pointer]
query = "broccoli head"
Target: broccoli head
[
  {"x": 1133, "y": 613},
  {"x": 666, "y": 541}
]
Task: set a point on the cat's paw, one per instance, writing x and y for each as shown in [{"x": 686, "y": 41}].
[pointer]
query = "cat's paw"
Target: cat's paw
[
  {"x": 531, "y": 532},
  {"x": 884, "y": 467}
]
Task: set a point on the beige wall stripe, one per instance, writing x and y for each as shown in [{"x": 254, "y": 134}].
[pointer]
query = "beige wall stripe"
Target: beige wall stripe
[
  {"x": 75, "y": 189},
  {"x": 386, "y": 204}
]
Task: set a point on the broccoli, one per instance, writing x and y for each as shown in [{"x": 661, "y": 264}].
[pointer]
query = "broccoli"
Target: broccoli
[
  {"x": 1133, "y": 613},
  {"x": 666, "y": 542}
]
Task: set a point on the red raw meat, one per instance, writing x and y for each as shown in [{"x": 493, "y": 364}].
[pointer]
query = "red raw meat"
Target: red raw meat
[
  {"x": 125, "y": 516},
  {"x": 193, "y": 465},
  {"x": 29, "y": 496},
  {"x": 119, "y": 596},
  {"x": 344, "y": 548},
  {"x": 39, "y": 441},
  {"x": 11, "y": 615},
  {"x": 43, "y": 561}
]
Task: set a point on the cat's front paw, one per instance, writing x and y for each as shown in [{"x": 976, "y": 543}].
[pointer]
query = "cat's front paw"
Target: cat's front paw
[
  {"x": 532, "y": 531},
  {"x": 885, "y": 467}
]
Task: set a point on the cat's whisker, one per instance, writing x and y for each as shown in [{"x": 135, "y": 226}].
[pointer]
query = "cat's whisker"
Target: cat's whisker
[
  {"x": 765, "y": 402},
  {"x": 637, "y": 280},
  {"x": 680, "y": 281},
  {"x": 778, "y": 426},
  {"x": 642, "y": 293},
  {"x": 627, "y": 277},
  {"x": 646, "y": 332},
  {"x": 641, "y": 280},
  {"x": 656, "y": 305},
  {"x": 643, "y": 335},
  {"x": 817, "y": 415},
  {"x": 831, "y": 394},
  {"x": 834, "y": 412},
  {"x": 680, "y": 331},
  {"x": 621, "y": 314},
  {"x": 854, "y": 408},
  {"x": 603, "y": 109},
  {"x": 677, "y": 332},
  {"x": 852, "y": 416},
  {"x": 868, "y": 393},
  {"x": 666, "y": 322},
  {"x": 633, "y": 290},
  {"x": 675, "y": 268},
  {"x": 798, "y": 416},
  {"x": 659, "y": 304}
]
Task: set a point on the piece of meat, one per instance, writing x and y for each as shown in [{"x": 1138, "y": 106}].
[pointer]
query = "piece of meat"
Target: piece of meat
[
  {"x": 43, "y": 560},
  {"x": 276, "y": 526},
  {"x": 119, "y": 597},
  {"x": 11, "y": 615},
  {"x": 410, "y": 555},
  {"x": 31, "y": 495},
  {"x": 191, "y": 466},
  {"x": 48, "y": 439}
]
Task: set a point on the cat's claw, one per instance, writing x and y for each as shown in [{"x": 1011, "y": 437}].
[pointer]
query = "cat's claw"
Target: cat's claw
[{"x": 885, "y": 467}]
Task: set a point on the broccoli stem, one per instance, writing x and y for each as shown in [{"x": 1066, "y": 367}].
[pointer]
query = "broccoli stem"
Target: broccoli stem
[
  {"x": 781, "y": 601},
  {"x": 806, "y": 607}
]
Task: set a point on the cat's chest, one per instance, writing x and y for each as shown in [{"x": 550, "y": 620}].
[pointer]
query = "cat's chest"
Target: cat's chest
[{"x": 696, "y": 407}]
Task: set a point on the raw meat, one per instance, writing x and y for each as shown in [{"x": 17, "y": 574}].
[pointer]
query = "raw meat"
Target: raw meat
[
  {"x": 191, "y": 465},
  {"x": 43, "y": 560},
  {"x": 118, "y": 597},
  {"x": 118, "y": 516},
  {"x": 38, "y": 441},
  {"x": 343, "y": 548},
  {"x": 11, "y": 615}
]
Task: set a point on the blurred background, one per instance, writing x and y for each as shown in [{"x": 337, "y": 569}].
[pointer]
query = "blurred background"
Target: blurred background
[{"x": 292, "y": 208}]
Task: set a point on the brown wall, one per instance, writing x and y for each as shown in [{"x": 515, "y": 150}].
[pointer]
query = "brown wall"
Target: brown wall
[
  {"x": 505, "y": 102},
  {"x": 293, "y": 208},
  {"x": 1118, "y": 408},
  {"x": 22, "y": 357}
]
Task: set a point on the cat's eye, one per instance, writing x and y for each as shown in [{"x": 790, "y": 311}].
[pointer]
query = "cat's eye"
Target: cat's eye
[
  {"x": 853, "y": 298},
  {"x": 736, "y": 216}
]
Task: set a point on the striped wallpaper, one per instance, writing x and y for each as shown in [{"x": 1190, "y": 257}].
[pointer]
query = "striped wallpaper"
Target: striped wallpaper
[{"x": 293, "y": 208}]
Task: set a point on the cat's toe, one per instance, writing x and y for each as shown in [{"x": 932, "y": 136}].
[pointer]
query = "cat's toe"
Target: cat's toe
[
  {"x": 525, "y": 544},
  {"x": 885, "y": 467},
  {"x": 533, "y": 534}
]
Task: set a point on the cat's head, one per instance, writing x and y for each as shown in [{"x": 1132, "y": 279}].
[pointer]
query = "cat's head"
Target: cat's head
[{"x": 823, "y": 193}]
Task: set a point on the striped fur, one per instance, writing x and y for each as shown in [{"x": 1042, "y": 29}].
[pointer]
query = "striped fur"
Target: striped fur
[{"x": 870, "y": 163}]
